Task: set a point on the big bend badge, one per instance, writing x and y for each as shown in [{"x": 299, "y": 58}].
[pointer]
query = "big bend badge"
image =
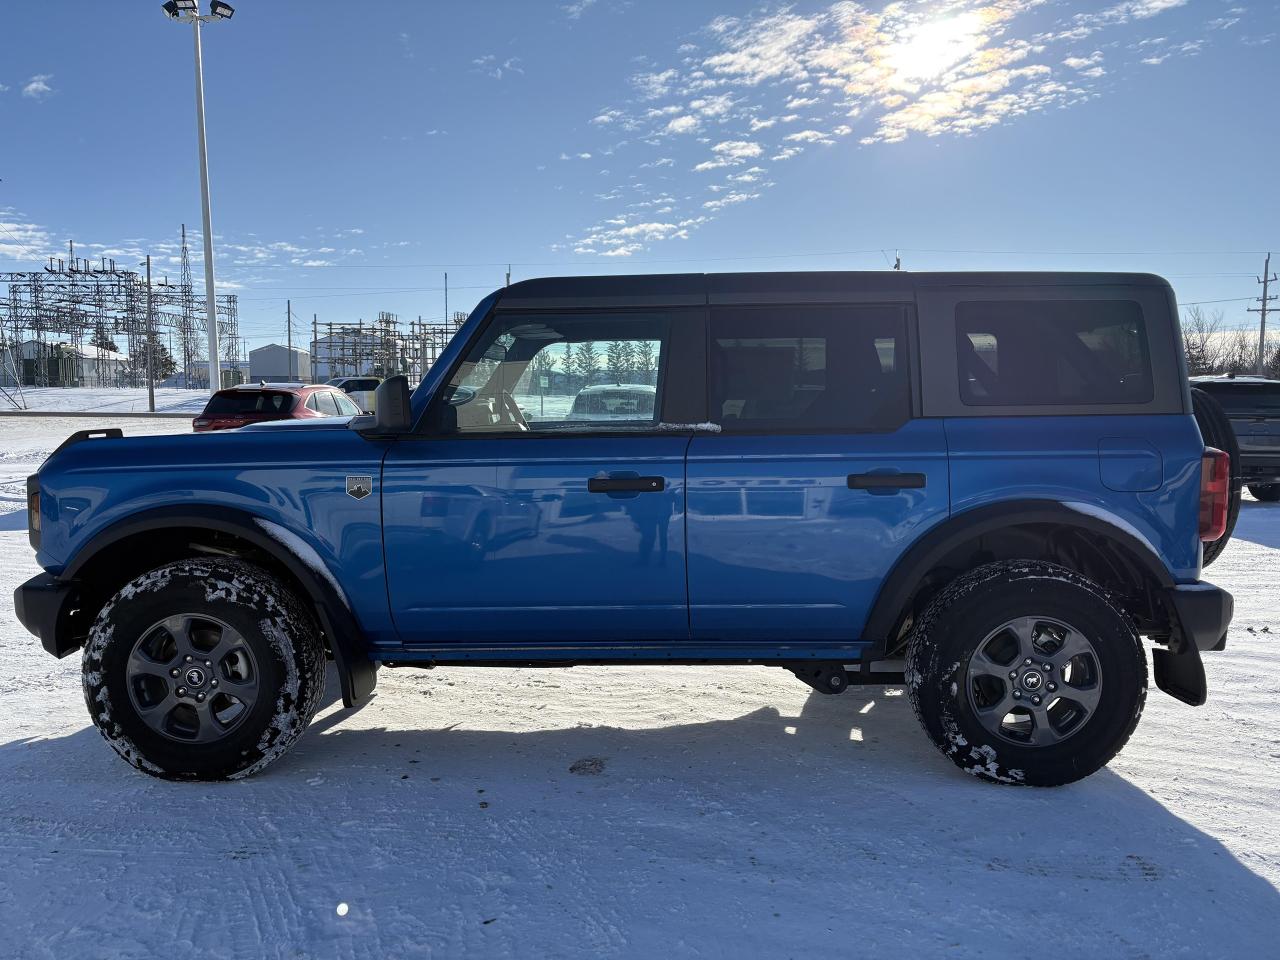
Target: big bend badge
[{"x": 359, "y": 487}]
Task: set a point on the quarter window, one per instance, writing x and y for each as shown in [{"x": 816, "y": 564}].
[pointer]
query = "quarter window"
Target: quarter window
[
  {"x": 797, "y": 369},
  {"x": 1031, "y": 353}
]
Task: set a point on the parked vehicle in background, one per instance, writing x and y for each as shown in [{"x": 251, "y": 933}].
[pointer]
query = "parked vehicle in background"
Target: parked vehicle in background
[
  {"x": 984, "y": 487},
  {"x": 359, "y": 389},
  {"x": 1252, "y": 405},
  {"x": 614, "y": 401},
  {"x": 259, "y": 403}
]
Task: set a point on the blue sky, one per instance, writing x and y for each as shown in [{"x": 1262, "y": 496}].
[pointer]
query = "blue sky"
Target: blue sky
[{"x": 360, "y": 150}]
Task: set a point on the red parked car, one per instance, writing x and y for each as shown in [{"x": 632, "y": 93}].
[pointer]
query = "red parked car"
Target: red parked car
[{"x": 236, "y": 406}]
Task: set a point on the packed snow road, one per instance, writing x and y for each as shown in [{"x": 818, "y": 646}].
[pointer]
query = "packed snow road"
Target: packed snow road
[{"x": 637, "y": 812}]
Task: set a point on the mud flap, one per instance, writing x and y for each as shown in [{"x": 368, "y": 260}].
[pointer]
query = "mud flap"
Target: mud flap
[{"x": 1181, "y": 675}]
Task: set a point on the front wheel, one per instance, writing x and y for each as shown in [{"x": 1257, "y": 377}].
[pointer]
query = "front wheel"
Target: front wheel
[
  {"x": 1027, "y": 673},
  {"x": 203, "y": 670}
]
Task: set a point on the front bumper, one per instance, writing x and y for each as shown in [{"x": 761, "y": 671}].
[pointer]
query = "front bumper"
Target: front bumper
[
  {"x": 1204, "y": 613},
  {"x": 43, "y": 605}
]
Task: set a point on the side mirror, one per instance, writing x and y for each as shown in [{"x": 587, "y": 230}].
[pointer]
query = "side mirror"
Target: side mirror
[{"x": 391, "y": 408}]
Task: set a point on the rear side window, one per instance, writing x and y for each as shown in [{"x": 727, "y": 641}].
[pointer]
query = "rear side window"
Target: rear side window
[
  {"x": 798, "y": 369},
  {"x": 1052, "y": 352},
  {"x": 249, "y": 401},
  {"x": 325, "y": 404}
]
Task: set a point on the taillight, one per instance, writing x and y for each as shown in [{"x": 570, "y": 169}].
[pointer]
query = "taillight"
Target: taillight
[
  {"x": 200, "y": 422},
  {"x": 1215, "y": 492}
]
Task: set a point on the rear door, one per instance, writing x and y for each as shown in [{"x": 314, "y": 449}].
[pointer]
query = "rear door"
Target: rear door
[{"x": 818, "y": 479}]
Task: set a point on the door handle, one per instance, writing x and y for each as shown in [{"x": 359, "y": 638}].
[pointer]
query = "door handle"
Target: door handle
[
  {"x": 885, "y": 481},
  {"x": 626, "y": 484}
]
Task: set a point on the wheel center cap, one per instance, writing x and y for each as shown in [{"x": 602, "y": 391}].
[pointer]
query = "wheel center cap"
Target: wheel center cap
[
  {"x": 195, "y": 677},
  {"x": 1032, "y": 680}
]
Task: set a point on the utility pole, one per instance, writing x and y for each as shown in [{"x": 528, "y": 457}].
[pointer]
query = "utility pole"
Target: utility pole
[
  {"x": 151, "y": 354},
  {"x": 288, "y": 335},
  {"x": 1262, "y": 309},
  {"x": 446, "y": 296},
  {"x": 313, "y": 348},
  {"x": 508, "y": 283}
]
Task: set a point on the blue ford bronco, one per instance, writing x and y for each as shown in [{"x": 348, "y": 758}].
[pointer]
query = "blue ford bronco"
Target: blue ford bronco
[{"x": 986, "y": 487}]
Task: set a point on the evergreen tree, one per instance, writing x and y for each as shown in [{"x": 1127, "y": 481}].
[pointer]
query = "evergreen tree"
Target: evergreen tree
[
  {"x": 619, "y": 360},
  {"x": 645, "y": 363},
  {"x": 568, "y": 367},
  {"x": 586, "y": 361},
  {"x": 165, "y": 365},
  {"x": 541, "y": 366},
  {"x": 101, "y": 338}
]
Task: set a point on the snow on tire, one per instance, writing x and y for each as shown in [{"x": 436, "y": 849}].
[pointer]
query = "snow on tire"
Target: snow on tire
[
  {"x": 1025, "y": 672},
  {"x": 203, "y": 669}
]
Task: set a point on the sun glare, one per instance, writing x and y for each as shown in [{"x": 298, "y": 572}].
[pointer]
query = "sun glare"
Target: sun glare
[{"x": 932, "y": 48}]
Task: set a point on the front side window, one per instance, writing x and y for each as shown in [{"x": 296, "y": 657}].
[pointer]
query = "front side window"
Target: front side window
[
  {"x": 796, "y": 369},
  {"x": 558, "y": 374},
  {"x": 1052, "y": 352}
]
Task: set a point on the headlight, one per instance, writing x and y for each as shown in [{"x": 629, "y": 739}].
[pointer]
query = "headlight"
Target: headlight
[{"x": 33, "y": 510}]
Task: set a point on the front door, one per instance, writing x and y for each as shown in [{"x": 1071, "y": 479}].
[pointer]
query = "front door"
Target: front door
[
  {"x": 819, "y": 478},
  {"x": 544, "y": 502}
]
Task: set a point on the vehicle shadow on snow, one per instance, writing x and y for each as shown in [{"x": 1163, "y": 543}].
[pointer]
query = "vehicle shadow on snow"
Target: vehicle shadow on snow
[
  {"x": 1258, "y": 523},
  {"x": 842, "y": 810}
]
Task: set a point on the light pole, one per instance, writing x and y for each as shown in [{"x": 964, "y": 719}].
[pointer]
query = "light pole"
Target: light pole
[{"x": 188, "y": 11}]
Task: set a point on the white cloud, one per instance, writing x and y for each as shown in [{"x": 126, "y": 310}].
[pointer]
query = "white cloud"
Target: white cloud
[
  {"x": 490, "y": 65},
  {"x": 651, "y": 86},
  {"x": 37, "y": 88},
  {"x": 808, "y": 136},
  {"x": 577, "y": 8},
  {"x": 729, "y": 200},
  {"x": 893, "y": 72}
]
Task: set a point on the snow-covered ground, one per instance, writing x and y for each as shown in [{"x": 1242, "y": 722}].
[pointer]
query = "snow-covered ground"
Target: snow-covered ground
[
  {"x": 638, "y": 812},
  {"x": 105, "y": 400}
]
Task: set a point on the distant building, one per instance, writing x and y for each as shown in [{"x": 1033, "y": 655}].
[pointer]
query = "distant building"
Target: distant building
[
  {"x": 44, "y": 363},
  {"x": 275, "y": 363}
]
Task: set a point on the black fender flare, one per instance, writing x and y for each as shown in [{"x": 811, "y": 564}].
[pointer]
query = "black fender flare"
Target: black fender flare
[
  {"x": 358, "y": 674},
  {"x": 901, "y": 583}
]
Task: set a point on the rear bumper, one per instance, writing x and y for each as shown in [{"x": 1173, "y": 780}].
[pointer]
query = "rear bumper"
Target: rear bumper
[
  {"x": 1259, "y": 467},
  {"x": 1204, "y": 613},
  {"x": 42, "y": 604}
]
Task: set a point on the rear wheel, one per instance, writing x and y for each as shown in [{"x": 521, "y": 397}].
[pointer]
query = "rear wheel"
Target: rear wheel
[
  {"x": 1266, "y": 492},
  {"x": 1217, "y": 432},
  {"x": 203, "y": 670},
  {"x": 1024, "y": 672}
]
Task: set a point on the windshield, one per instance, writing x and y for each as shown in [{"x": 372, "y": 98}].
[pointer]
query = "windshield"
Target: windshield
[{"x": 243, "y": 402}]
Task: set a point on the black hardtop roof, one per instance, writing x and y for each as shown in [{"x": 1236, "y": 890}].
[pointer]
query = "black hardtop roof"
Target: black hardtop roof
[{"x": 693, "y": 289}]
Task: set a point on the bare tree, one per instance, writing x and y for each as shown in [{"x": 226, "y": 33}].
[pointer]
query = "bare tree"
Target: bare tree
[
  {"x": 1240, "y": 352},
  {"x": 1203, "y": 341}
]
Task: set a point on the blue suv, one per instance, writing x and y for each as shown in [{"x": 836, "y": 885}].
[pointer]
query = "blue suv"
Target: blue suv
[{"x": 986, "y": 487}]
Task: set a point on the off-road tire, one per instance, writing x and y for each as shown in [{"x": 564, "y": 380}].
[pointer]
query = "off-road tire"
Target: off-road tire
[
  {"x": 1217, "y": 432},
  {"x": 1266, "y": 492},
  {"x": 963, "y": 615},
  {"x": 278, "y": 631}
]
